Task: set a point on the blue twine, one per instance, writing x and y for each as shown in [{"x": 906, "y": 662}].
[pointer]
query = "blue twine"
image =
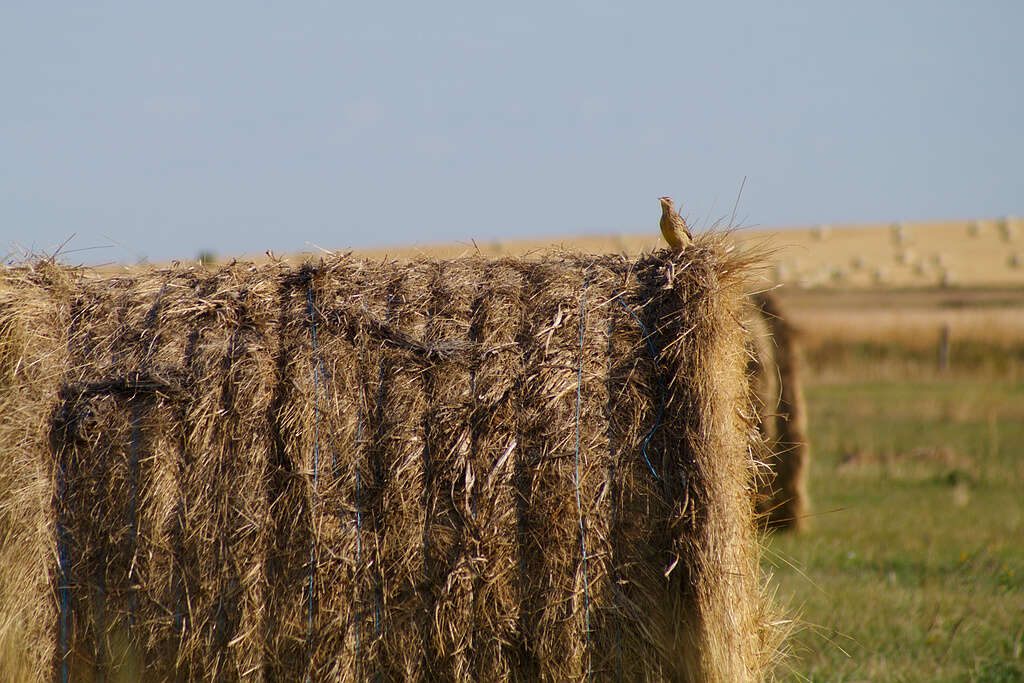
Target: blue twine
[
  {"x": 614, "y": 523},
  {"x": 64, "y": 539},
  {"x": 359, "y": 519},
  {"x": 661, "y": 387},
  {"x": 380, "y": 409},
  {"x": 426, "y": 506},
  {"x": 316, "y": 458},
  {"x": 579, "y": 504},
  {"x": 179, "y": 588},
  {"x": 132, "y": 467},
  {"x": 65, "y": 579},
  {"x": 378, "y": 478},
  {"x": 133, "y": 530},
  {"x": 376, "y": 627}
]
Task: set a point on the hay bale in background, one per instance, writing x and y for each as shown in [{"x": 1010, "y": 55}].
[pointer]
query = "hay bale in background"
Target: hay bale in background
[
  {"x": 447, "y": 469},
  {"x": 774, "y": 369},
  {"x": 763, "y": 374}
]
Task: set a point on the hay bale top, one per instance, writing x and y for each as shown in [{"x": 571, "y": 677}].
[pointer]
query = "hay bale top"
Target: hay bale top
[
  {"x": 395, "y": 301},
  {"x": 717, "y": 250}
]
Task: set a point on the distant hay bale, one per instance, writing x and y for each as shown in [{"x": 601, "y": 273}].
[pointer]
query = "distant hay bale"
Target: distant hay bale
[
  {"x": 1008, "y": 229},
  {"x": 905, "y": 257},
  {"x": 900, "y": 233},
  {"x": 776, "y": 384},
  {"x": 462, "y": 469},
  {"x": 762, "y": 370}
]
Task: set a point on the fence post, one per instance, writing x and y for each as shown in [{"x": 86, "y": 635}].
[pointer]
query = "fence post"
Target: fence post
[{"x": 944, "y": 348}]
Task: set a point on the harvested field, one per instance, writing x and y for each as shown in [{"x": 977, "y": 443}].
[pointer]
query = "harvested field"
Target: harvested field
[
  {"x": 889, "y": 334},
  {"x": 441, "y": 469}
]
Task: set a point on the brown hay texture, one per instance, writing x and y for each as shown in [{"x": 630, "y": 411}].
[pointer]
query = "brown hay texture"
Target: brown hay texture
[
  {"x": 775, "y": 371},
  {"x": 441, "y": 470}
]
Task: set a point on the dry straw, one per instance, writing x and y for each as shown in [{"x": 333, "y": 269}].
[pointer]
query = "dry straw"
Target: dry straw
[
  {"x": 775, "y": 371},
  {"x": 466, "y": 469}
]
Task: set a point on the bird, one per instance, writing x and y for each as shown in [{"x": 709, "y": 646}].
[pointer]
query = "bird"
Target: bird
[{"x": 673, "y": 226}]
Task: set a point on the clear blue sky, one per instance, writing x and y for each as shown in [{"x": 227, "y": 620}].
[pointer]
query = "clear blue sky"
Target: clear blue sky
[{"x": 164, "y": 129}]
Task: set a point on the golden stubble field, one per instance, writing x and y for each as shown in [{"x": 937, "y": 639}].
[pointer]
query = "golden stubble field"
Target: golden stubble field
[{"x": 972, "y": 253}]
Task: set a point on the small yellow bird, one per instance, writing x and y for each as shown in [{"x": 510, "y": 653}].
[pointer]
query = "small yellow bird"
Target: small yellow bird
[{"x": 673, "y": 226}]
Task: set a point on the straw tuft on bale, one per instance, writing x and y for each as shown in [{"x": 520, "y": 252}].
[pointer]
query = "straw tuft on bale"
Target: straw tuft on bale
[
  {"x": 777, "y": 390},
  {"x": 464, "y": 469}
]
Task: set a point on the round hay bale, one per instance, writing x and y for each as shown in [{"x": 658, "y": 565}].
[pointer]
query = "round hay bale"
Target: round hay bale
[
  {"x": 900, "y": 233},
  {"x": 1008, "y": 229},
  {"x": 511, "y": 469},
  {"x": 782, "y": 499}
]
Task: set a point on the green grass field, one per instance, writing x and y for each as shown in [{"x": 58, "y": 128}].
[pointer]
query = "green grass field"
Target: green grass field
[{"x": 913, "y": 569}]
